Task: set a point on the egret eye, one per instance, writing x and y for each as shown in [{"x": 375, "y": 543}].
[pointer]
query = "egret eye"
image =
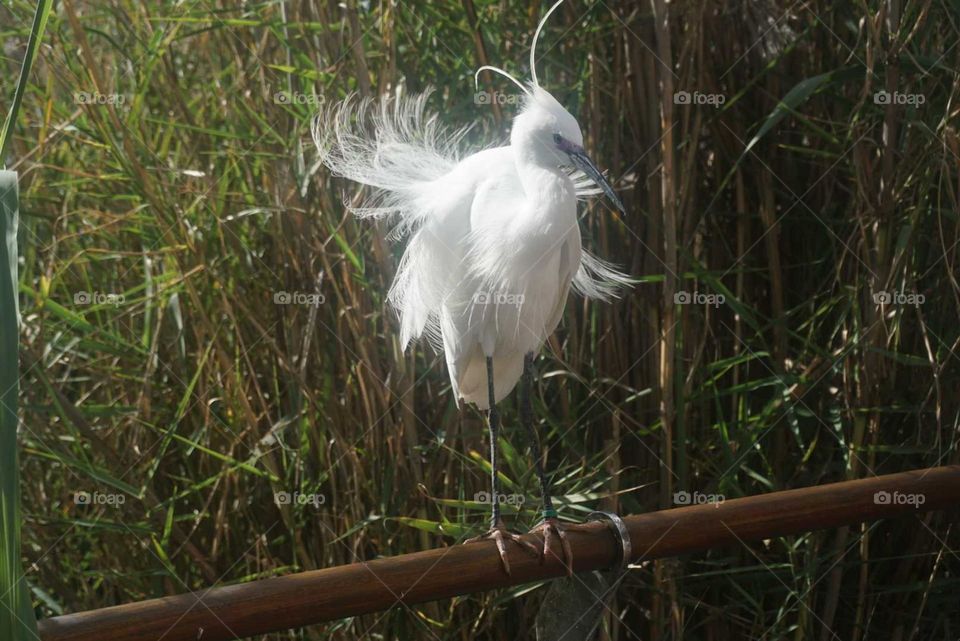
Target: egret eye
[{"x": 557, "y": 139}]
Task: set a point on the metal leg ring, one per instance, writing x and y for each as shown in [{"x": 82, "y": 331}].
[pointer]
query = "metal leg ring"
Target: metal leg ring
[{"x": 625, "y": 552}]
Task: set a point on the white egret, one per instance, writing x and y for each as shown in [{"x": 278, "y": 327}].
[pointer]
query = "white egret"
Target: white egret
[{"x": 494, "y": 245}]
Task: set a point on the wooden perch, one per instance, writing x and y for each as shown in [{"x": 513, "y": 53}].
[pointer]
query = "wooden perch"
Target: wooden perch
[{"x": 258, "y": 607}]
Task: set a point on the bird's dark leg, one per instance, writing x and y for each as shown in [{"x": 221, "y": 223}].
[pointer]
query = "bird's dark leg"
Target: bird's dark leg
[
  {"x": 493, "y": 421},
  {"x": 551, "y": 528},
  {"x": 498, "y": 531}
]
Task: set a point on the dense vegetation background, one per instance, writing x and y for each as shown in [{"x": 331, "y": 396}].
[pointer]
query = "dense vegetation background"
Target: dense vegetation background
[{"x": 806, "y": 181}]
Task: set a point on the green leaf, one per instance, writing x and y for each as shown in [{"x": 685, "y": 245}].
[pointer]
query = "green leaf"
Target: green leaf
[
  {"x": 802, "y": 91},
  {"x": 434, "y": 527},
  {"x": 14, "y": 594},
  {"x": 36, "y": 34},
  {"x": 798, "y": 95}
]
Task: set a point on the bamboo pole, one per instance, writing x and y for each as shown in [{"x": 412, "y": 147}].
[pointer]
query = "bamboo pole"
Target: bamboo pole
[{"x": 258, "y": 607}]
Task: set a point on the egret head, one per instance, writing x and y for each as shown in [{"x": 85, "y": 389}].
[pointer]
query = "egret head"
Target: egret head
[
  {"x": 547, "y": 126},
  {"x": 546, "y": 132},
  {"x": 553, "y": 138}
]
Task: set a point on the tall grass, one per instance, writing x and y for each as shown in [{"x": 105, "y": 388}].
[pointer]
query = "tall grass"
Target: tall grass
[
  {"x": 36, "y": 34},
  {"x": 17, "y": 618},
  {"x": 170, "y": 197}
]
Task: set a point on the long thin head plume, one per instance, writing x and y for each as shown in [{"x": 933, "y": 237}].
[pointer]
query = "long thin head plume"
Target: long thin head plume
[
  {"x": 476, "y": 77},
  {"x": 533, "y": 46}
]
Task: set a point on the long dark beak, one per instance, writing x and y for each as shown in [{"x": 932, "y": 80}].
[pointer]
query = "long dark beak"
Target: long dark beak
[{"x": 582, "y": 162}]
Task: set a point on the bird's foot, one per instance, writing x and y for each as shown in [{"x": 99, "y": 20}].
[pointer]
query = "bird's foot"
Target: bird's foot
[
  {"x": 554, "y": 531},
  {"x": 500, "y": 534}
]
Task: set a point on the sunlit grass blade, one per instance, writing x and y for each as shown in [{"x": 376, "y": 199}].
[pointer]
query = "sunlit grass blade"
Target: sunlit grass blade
[{"x": 36, "y": 33}]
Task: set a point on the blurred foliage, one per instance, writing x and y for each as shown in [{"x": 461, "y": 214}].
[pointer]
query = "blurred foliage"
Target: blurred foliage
[{"x": 170, "y": 196}]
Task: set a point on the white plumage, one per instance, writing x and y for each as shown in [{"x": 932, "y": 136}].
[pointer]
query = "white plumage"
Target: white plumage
[{"x": 494, "y": 244}]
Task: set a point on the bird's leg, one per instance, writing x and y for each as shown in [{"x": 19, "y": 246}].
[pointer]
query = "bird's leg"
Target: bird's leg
[
  {"x": 498, "y": 531},
  {"x": 550, "y": 527},
  {"x": 493, "y": 422}
]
